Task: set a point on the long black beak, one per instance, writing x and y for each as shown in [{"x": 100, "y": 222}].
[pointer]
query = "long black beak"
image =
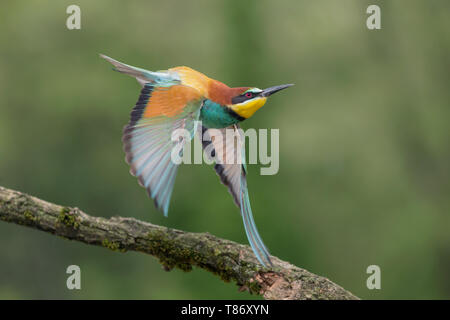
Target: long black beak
[{"x": 269, "y": 91}]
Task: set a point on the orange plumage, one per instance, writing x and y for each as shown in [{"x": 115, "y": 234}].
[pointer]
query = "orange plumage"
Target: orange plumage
[
  {"x": 170, "y": 101},
  {"x": 212, "y": 89}
]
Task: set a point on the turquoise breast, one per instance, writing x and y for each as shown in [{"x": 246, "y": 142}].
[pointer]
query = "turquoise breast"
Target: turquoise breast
[{"x": 214, "y": 115}]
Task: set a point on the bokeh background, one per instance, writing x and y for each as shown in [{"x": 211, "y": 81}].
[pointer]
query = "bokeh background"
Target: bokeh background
[{"x": 364, "y": 139}]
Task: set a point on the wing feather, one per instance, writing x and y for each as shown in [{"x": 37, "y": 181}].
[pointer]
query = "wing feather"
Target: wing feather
[
  {"x": 165, "y": 104},
  {"x": 229, "y": 154},
  {"x": 147, "y": 139}
]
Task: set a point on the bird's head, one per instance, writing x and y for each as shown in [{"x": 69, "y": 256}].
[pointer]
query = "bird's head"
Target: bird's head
[{"x": 249, "y": 100}]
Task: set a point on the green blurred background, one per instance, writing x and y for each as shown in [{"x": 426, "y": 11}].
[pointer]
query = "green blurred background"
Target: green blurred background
[{"x": 364, "y": 139}]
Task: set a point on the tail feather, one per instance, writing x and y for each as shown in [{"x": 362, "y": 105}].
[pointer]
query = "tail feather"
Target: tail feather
[{"x": 253, "y": 236}]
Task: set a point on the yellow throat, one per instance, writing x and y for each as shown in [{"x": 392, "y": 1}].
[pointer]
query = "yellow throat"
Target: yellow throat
[{"x": 248, "y": 108}]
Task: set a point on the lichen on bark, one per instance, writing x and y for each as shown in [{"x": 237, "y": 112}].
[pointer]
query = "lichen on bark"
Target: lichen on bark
[{"x": 231, "y": 261}]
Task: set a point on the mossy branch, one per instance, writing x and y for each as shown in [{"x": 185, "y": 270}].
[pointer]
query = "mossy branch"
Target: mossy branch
[{"x": 174, "y": 248}]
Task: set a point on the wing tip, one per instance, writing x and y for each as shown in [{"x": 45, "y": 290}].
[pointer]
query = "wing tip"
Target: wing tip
[{"x": 109, "y": 59}]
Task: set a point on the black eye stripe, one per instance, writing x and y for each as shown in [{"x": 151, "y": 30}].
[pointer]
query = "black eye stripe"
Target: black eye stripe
[
  {"x": 239, "y": 99},
  {"x": 243, "y": 97}
]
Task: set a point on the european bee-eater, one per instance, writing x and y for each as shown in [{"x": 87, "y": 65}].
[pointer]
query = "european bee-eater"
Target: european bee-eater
[{"x": 178, "y": 98}]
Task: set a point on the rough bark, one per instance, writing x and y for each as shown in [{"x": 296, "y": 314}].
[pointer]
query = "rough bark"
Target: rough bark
[{"x": 174, "y": 248}]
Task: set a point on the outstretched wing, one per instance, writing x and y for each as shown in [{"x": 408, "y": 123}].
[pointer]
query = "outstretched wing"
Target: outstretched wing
[
  {"x": 148, "y": 141},
  {"x": 226, "y": 147},
  {"x": 164, "y": 105}
]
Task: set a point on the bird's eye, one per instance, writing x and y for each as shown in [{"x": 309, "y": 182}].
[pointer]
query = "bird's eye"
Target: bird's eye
[{"x": 248, "y": 94}]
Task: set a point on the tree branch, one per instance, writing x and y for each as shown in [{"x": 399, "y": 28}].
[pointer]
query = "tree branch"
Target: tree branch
[{"x": 174, "y": 248}]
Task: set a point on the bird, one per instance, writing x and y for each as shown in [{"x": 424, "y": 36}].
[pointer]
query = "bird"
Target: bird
[{"x": 183, "y": 98}]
